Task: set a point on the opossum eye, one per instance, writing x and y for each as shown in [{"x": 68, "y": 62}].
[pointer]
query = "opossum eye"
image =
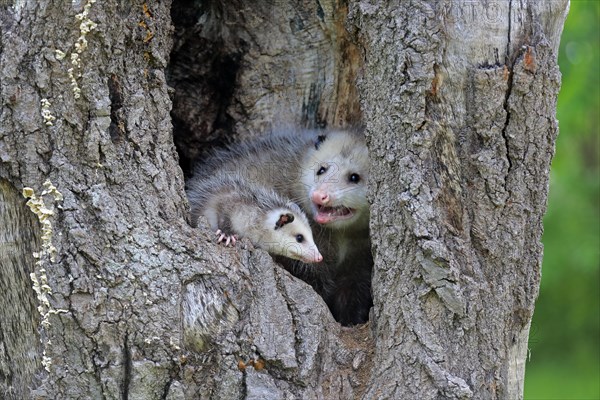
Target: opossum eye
[
  {"x": 354, "y": 178},
  {"x": 322, "y": 170},
  {"x": 299, "y": 238}
]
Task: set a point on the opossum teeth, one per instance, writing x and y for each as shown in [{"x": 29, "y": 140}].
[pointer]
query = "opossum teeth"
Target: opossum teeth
[{"x": 330, "y": 214}]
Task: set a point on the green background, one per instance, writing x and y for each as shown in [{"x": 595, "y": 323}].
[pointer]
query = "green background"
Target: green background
[{"x": 564, "y": 338}]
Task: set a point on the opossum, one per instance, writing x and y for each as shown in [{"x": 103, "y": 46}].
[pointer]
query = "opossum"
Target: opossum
[
  {"x": 237, "y": 209},
  {"x": 334, "y": 180},
  {"x": 334, "y": 177},
  {"x": 326, "y": 173}
]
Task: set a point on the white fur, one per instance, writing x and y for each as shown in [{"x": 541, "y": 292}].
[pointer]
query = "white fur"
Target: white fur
[
  {"x": 253, "y": 212},
  {"x": 283, "y": 241},
  {"x": 343, "y": 154}
]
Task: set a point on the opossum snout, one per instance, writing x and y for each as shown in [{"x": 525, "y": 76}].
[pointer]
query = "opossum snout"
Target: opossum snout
[
  {"x": 313, "y": 258},
  {"x": 320, "y": 197},
  {"x": 319, "y": 258}
]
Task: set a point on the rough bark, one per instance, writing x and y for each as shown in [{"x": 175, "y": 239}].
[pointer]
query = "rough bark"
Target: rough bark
[
  {"x": 460, "y": 158},
  {"x": 133, "y": 303},
  {"x": 243, "y": 69}
]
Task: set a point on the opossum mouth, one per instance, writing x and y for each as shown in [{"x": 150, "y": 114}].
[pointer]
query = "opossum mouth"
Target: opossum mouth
[{"x": 331, "y": 214}]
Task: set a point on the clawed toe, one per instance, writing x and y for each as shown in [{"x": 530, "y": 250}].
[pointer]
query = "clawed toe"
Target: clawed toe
[{"x": 227, "y": 240}]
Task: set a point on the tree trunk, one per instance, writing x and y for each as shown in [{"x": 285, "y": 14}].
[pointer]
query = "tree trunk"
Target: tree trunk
[
  {"x": 126, "y": 300},
  {"x": 461, "y": 151}
]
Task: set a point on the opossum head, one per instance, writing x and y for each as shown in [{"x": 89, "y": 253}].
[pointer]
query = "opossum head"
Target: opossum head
[
  {"x": 289, "y": 235},
  {"x": 335, "y": 176}
]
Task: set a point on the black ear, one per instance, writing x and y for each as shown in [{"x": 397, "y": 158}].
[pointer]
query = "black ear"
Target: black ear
[
  {"x": 320, "y": 139},
  {"x": 283, "y": 220}
]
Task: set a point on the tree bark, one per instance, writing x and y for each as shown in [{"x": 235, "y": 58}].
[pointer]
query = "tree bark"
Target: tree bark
[
  {"x": 126, "y": 300},
  {"x": 460, "y": 156}
]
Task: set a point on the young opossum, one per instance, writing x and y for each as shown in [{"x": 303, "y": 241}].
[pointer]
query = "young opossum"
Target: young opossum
[
  {"x": 326, "y": 173},
  {"x": 241, "y": 209}
]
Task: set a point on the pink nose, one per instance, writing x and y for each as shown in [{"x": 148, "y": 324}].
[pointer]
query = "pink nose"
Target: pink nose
[
  {"x": 319, "y": 197},
  {"x": 311, "y": 257}
]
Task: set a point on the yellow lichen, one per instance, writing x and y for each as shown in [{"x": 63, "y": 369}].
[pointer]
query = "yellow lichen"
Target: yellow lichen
[
  {"x": 51, "y": 189},
  {"x": 39, "y": 278},
  {"x": 46, "y": 114},
  {"x": 85, "y": 26},
  {"x": 59, "y": 54}
]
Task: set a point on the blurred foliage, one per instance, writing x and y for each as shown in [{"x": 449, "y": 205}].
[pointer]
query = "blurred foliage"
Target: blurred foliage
[{"x": 564, "y": 337}]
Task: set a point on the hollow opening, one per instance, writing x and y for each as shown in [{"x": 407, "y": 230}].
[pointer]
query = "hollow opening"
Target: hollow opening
[
  {"x": 202, "y": 70},
  {"x": 242, "y": 70}
]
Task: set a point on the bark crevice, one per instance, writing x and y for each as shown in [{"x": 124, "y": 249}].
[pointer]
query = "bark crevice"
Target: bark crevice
[{"x": 127, "y": 367}]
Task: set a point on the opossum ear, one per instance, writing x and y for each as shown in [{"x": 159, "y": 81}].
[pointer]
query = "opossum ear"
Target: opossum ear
[
  {"x": 283, "y": 220},
  {"x": 320, "y": 139}
]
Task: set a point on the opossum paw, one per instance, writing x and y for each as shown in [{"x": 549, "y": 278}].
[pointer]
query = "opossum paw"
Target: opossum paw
[
  {"x": 225, "y": 238},
  {"x": 230, "y": 240}
]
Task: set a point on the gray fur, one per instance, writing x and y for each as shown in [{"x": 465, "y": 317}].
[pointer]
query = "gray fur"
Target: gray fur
[
  {"x": 246, "y": 194},
  {"x": 287, "y": 162},
  {"x": 244, "y": 209},
  {"x": 273, "y": 161}
]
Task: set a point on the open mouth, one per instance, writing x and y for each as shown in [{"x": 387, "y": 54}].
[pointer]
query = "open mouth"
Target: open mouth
[{"x": 326, "y": 215}]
